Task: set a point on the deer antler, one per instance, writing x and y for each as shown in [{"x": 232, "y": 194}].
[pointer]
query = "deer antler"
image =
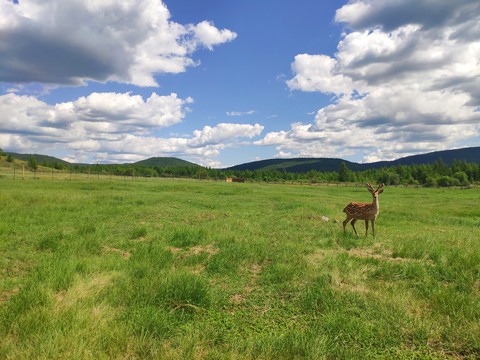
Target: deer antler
[
  {"x": 370, "y": 188},
  {"x": 380, "y": 186}
]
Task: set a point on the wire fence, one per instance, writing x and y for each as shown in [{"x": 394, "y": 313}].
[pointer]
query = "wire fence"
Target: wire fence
[
  {"x": 20, "y": 173},
  {"x": 25, "y": 173}
]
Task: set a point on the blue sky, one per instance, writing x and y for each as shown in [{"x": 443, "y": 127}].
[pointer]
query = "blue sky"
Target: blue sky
[{"x": 221, "y": 83}]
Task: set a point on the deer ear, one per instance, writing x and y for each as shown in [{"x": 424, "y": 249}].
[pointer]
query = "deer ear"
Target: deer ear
[{"x": 380, "y": 191}]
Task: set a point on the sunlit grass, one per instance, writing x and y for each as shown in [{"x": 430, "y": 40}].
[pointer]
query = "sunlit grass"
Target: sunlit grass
[{"x": 188, "y": 269}]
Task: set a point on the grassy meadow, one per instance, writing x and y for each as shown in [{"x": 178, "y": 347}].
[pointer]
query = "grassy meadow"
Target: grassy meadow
[{"x": 183, "y": 269}]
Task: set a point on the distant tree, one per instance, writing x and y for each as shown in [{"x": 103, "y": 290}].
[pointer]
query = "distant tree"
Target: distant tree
[
  {"x": 149, "y": 172},
  {"x": 247, "y": 174},
  {"x": 410, "y": 180},
  {"x": 1, "y": 152},
  {"x": 388, "y": 177},
  {"x": 430, "y": 182},
  {"x": 440, "y": 167},
  {"x": 202, "y": 173},
  {"x": 10, "y": 158},
  {"x": 462, "y": 178},
  {"x": 445, "y": 181},
  {"x": 32, "y": 163},
  {"x": 345, "y": 174}
]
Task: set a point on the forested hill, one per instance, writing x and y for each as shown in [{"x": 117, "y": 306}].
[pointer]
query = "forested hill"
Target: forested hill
[
  {"x": 298, "y": 165},
  {"x": 470, "y": 155},
  {"x": 165, "y": 162},
  {"x": 303, "y": 165},
  {"x": 41, "y": 159},
  {"x": 154, "y": 161}
]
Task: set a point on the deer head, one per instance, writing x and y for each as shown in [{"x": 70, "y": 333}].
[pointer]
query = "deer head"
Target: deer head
[{"x": 374, "y": 192}]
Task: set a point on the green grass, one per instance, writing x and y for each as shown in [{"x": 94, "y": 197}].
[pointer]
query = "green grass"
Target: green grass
[{"x": 186, "y": 269}]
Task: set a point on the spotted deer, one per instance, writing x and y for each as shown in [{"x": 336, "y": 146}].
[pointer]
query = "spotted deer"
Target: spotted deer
[{"x": 363, "y": 211}]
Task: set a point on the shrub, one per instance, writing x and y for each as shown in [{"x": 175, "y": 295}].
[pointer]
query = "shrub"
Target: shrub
[
  {"x": 462, "y": 178},
  {"x": 446, "y": 181},
  {"x": 430, "y": 182},
  {"x": 32, "y": 163}
]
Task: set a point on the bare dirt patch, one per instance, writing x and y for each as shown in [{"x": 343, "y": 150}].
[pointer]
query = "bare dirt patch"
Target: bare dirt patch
[
  {"x": 210, "y": 249},
  {"x": 125, "y": 254},
  {"x": 197, "y": 269},
  {"x": 237, "y": 299},
  {"x": 385, "y": 255},
  {"x": 82, "y": 289},
  {"x": 5, "y": 296},
  {"x": 254, "y": 271},
  {"x": 368, "y": 253},
  {"x": 360, "y": 288},
  {"x": 15, "y": 267},
  {"x": 175, "y": 250},
  {"x": 377, "y": 253},
  {"x": 205, "y": 216}
]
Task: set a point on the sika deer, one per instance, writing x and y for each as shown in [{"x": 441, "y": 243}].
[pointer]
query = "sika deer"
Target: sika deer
[{"x": 363, "y": 211}]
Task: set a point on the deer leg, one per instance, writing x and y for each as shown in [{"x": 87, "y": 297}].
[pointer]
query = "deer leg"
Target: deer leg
[
  {"x": 373, "y": 227},
  {"x": 353, "y": 225},
  {"x": 346, "y": 222},
  {"x": 366, "y": 228}
]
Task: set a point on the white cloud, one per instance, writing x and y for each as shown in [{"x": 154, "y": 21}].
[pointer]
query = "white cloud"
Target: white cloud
[
  {"x": 112, "y": 127},
  {"x": 405, "y": 81},
  {"x": 282, "y": 154},
  {"x": 74, "y": 41},
  {"x": 318, "y": 73},
  {"x": 209, "y": 35},
  {"x": 240, "y": 113},
  {"x": 223, "y": 132},
  {"x": 99, "y": 115}
]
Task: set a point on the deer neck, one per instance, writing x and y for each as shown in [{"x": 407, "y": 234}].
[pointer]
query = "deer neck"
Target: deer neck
[{"x": 375, "y": 205}]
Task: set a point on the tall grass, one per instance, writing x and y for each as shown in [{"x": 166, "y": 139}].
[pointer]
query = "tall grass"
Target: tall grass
[{"x": 186, "y": 269}]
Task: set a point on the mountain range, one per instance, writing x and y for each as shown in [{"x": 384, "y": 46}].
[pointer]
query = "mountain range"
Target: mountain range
[
  {"x": 299, "y": 165},
  {"x": 154, "y": 161},
  {"x": 302, "y": 165}
]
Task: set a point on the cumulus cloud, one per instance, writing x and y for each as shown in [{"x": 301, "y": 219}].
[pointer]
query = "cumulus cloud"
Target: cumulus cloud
[
  {"x": 223, "y": 132},
  {"x": 106, "y": 127},
  {"x": 368, "y": 14},
  {"x": 209, "y": 35},
  {"x": 406, "y": 79},
  {"x": 318, "y": 73},
  {"x": 74, "y": 41},
  {"x": 98, "y": 115}
]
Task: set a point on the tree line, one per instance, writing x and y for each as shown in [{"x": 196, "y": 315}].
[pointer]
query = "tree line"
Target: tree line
[{"x": 459, "y": 173}]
